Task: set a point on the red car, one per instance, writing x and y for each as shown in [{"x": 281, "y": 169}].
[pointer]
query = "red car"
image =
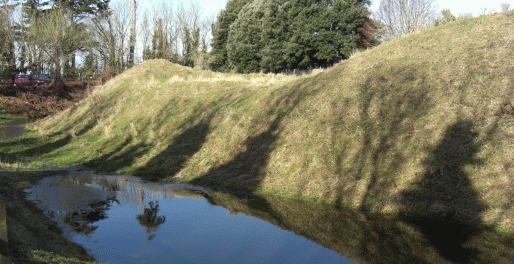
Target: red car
[{"x": 25, "y": 79}]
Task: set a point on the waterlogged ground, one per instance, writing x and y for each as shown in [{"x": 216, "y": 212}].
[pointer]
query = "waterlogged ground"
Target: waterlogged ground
[
  {"x": 121, "y": 219},
  {"x": 13, "y": 129}
]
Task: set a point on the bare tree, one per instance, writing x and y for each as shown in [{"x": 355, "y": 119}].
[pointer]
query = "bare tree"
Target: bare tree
[
  {"x": 7, "y": 41},
  {"x": 165, "y": 34},
  {"x": 121, "y": 19},
  {"x": 401, "y": 17},
  {"x": 132, "y": 34},
  {"x": 145, "y": 33},
  {"x": 485, "y": 11},
  {"x": 110, "y": 34},
  {"x": 194, "y": 29},
  {"x": 505, "y": 7},
  {"x": 52, "y": 31}
]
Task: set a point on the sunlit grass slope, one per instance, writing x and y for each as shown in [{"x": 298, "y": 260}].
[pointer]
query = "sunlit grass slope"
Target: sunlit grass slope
[{"x": 422, "y": 125}]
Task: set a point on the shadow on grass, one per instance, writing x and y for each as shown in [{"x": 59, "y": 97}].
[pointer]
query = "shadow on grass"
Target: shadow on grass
[
  {"x": 34, "y": 151},
  {"x": 383, "y": 131},
  {"x": 170, "y": 161},
  {"x": 443, "y": 202},
  {"x": 120, "y": 157},
  {"x": 247, "y": 169},
  {"x": 33, "y": 147}
]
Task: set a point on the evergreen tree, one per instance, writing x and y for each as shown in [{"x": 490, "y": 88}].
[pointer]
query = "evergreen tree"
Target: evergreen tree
[
  {"x": 158, "y": 41},
  {"x": 244, "y": 40},
  {"x": 279, "y": 35},
  {"x": 80, "y": 8},
  {"x": 187, "y": 48},
  {"x": 220, "y": 31},
  {"x": 90, "y": 66}
]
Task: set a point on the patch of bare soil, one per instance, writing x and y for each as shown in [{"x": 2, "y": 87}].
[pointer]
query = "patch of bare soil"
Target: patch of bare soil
[{"x": 43, "y": 100}]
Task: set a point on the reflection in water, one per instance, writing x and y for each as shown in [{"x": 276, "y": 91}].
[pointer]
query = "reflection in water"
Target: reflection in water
[
  {"x": 206, "y": 226},
  {"x": 150, "y": 220},
  {"x": 73, "y": 202},
  {"x": 82, "y": 221}
]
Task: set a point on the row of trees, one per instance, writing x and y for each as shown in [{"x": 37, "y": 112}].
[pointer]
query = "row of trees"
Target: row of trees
[
  {"x": 38, "y": 34},
  {"x": 49, "y": 35},
  {"x": 281, "y": 35},
  {"x": 247, "y": 36}
]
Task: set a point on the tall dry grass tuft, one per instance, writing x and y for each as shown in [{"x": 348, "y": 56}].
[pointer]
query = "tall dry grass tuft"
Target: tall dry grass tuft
[{"x": 133, "y": 130}]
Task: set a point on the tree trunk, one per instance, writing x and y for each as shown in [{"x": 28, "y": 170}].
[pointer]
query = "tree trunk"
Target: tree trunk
[
  {"x": 58, "y": 83},
  {"x": 132, "y": 35}
]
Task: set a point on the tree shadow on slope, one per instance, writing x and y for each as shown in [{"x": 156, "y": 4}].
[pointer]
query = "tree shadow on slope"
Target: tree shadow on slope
[
  {"x": 383, "y": 131},
  {"x": 173, "y": 159},
  {"x": 247, "y": 169},
  {"x": 35, "y": 148},
  {"x": 122, "y": 156},
  {"x": 443, "y": 202},
  {"x": 35, "y": 151}
]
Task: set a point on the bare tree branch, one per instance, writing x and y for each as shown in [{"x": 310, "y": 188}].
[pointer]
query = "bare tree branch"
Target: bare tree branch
[{"x": 401, "y": 17}]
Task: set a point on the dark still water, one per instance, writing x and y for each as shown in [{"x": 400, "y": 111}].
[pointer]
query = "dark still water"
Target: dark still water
[{"x": 121, "y": 219}]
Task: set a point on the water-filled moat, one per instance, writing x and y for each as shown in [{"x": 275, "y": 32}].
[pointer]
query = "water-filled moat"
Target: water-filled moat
[{"x": 121, "y": 219}]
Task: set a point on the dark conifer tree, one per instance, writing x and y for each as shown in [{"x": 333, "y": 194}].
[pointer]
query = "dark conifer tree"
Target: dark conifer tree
[
  {"x": 244, "y": 42},
  {"x": 220, "y": 30},
  {"x": 187, "y": 48},
  {"x": 281, "y": 35}
]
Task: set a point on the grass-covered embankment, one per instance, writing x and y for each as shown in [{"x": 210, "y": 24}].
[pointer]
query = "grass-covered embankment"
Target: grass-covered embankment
[{"x": 421, "y": 126}]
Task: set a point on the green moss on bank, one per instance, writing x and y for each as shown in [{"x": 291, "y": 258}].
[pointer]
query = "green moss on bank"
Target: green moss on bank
[{"x": 422, "y": 125}]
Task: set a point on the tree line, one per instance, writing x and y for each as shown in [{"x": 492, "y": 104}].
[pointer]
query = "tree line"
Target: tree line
[
  {"x": 247, "y": 35},
  {"x": 49, "y": 36}
]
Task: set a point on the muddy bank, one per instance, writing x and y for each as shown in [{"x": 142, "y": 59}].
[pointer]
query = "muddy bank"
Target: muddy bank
[
  {"x": 32, "y": 237},
  {"x": 40, "y": 101}
]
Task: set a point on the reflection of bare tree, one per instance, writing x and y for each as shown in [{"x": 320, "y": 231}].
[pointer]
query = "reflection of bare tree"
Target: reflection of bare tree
[
  {"x": 82, "y": 222},
  {"x": 150, "y": 220}
]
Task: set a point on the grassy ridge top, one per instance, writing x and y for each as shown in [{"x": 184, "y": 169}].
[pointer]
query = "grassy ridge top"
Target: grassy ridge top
[{"x": 421, "y": 125}]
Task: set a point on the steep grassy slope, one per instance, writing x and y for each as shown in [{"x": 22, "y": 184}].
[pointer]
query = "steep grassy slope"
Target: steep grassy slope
[{"x": 422, "y": 125}]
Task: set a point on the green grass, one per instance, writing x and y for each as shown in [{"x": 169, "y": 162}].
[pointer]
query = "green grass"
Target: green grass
[{"x": 418, "y": 125}]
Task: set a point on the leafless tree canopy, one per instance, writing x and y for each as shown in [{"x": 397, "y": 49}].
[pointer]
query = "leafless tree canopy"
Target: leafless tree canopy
[
  {"x": 401, "y": 17},
  {"x": 505, "y": 7},
  {"x": 47, "y": 39}
]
